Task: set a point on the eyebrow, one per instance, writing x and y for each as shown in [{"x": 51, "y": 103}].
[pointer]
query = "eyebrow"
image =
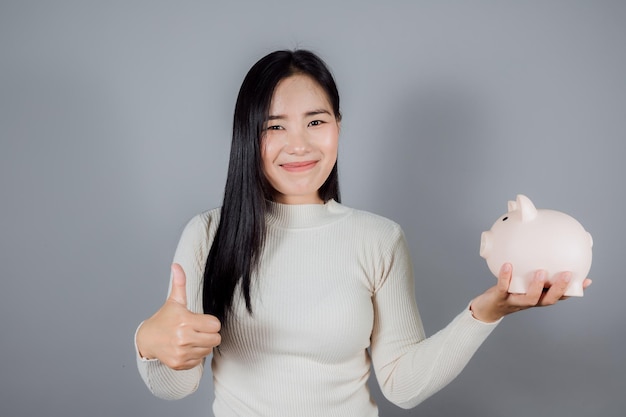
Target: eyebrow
[{"x": 307, "y": 114}]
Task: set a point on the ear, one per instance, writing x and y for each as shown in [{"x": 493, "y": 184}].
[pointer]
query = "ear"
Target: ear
[
  {"x": 529, "y": 212},
  {"x": 512, "y": 205}
]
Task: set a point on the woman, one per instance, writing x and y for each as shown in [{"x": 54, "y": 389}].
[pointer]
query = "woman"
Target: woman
[{"x": 291, "y": 287}]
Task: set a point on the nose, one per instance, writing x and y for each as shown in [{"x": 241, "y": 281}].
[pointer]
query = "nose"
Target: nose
[{"x": 298, "y": 142}]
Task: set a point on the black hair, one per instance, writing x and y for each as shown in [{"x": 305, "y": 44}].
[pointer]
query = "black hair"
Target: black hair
[{"x": 238, "y": 243}]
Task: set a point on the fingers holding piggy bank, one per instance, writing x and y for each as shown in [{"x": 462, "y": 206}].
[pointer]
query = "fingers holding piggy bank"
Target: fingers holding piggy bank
[{"x": 533, "y": 240}]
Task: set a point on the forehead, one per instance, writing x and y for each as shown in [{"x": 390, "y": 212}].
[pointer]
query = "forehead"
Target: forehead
[{"x": 298, "y": 92}]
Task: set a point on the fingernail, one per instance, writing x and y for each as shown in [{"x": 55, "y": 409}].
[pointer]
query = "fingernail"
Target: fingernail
[
  {"x": 541, "y": 275},
  {"x": 506, "y": 267},
  {"x": 567, "y": 277}
]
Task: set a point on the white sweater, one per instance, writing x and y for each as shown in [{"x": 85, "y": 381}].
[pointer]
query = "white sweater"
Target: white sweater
[{"x": 333, "y": 282}]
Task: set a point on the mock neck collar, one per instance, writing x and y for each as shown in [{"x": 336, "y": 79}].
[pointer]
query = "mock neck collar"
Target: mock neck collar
[{"x": 302, "y": 216}]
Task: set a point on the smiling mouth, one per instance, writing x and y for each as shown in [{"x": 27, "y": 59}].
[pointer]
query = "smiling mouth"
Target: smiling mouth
[{"x": 298, "y": 166}]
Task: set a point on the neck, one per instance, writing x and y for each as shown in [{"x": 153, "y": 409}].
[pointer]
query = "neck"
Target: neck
[{"x": 298, "y": 199}]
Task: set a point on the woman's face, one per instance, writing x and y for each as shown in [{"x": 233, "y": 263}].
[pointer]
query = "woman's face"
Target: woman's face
[{"x": 299, "y": 145}]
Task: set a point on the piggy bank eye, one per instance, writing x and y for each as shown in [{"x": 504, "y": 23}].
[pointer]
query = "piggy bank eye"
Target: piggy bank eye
[{"x": 505, "y": 218}]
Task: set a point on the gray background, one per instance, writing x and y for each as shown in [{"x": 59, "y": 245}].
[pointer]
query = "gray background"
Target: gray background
[{"x": 115, "y": 126}]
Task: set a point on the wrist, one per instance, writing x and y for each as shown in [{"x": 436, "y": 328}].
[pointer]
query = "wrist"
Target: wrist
[
  {"x": 140, "y": 347},
  {"x": 482, "y": 314}
]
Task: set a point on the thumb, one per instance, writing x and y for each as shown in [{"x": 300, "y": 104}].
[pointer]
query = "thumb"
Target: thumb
[
  {"x": 504, "y": 278},
  {"x": 179, "y": 283}
]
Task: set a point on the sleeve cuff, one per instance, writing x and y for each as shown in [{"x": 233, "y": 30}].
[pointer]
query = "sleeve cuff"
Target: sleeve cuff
[{"x": 470, "y": 313}]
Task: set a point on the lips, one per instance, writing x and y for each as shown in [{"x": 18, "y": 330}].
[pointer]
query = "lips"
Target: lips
[{"x": 298, "y": 166}]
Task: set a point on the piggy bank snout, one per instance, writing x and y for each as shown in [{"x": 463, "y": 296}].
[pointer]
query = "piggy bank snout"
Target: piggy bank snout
[{"x": 486, "y": 243}]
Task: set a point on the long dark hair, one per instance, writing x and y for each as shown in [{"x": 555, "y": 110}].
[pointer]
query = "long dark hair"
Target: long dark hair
[{"x": 236, "y": 249}]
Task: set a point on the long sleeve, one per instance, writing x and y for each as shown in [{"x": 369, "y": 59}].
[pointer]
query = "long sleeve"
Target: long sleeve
[
  {"x": 191, "y": 254},
  {"x": 410, "y": 367}
]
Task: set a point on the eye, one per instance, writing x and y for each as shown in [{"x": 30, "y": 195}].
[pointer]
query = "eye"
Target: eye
[
  {"x": 316, "y": 122},
  {"x": 274, "y": 127},
  {"x": 505, "y": 218}
]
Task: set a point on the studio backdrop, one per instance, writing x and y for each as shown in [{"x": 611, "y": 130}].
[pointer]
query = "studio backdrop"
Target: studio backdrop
[{"x": 115, "y": 122}]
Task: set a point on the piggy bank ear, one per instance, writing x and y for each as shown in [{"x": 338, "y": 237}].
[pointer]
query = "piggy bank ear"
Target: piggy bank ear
[
  {"x": 529, "y": 212},
  {"x": 512, "y": 206}
]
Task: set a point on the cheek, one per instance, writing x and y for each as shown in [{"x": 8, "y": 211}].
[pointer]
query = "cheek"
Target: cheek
[
  {"x": 268, "y": 151},
  {"x": 331, "y": 144}
]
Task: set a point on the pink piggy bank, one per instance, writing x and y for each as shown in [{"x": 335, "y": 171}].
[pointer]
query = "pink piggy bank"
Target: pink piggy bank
[{"x": 532, "y": 239}]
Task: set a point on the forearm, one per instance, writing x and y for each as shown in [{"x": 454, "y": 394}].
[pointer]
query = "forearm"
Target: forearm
[{"x": 430, "y": 364}]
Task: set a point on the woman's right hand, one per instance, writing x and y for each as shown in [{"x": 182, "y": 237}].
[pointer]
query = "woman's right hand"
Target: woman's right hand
[{"x": 174, "y": 335}]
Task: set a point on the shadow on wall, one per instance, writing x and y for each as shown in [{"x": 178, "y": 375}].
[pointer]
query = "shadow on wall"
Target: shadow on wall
[
  {"x": 434, "y": 151},
  {"x": 438, "y": 151}
]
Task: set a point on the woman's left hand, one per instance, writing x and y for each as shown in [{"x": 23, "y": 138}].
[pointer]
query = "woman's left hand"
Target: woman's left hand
[{"x": 497, "y": 302}]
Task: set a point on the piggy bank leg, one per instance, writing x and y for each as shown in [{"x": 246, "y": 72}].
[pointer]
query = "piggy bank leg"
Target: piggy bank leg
[
  {"x": 519, "y": 284},
  {"x": 575, "y": 288}
]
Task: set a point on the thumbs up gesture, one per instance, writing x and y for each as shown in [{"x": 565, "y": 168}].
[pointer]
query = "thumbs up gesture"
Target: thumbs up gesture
[{"x": 176, "y": 336}]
